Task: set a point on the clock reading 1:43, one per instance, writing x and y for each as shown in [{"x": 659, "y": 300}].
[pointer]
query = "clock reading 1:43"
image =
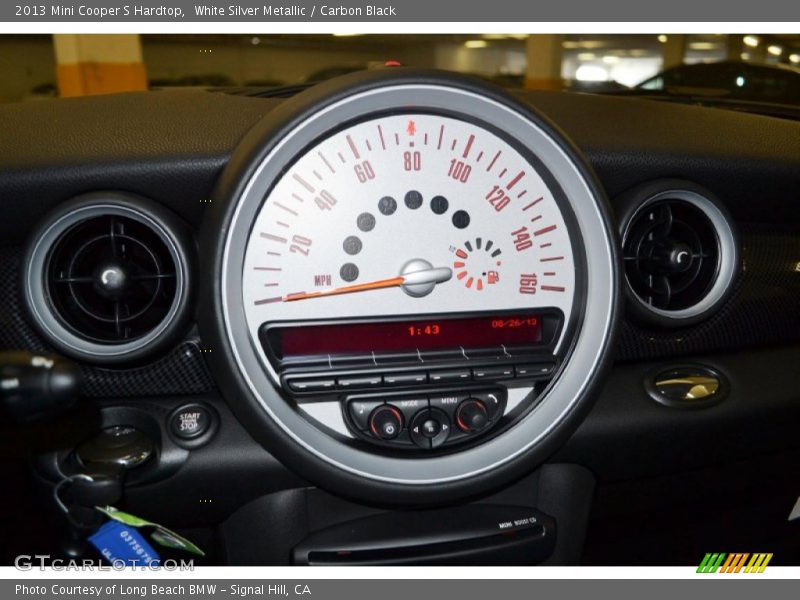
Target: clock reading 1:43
[{"x": 432, "y": 329}]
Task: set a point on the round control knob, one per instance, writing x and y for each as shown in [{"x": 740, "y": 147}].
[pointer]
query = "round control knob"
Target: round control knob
[
  {"x": 471, "y": 415},
  {"x": 385, "y": 422}
]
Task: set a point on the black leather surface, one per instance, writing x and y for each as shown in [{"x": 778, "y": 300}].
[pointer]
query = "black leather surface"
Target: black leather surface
[
  {"x": 628, "y": 435},
  {"x": 751, "y": 162},
  {"x": 170, "y": 146}
]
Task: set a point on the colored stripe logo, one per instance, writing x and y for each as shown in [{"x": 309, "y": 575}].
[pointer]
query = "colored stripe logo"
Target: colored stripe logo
[{"x": 738, "y": 562}]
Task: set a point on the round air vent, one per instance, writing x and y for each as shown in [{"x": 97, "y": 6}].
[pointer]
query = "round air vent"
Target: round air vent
[
  {"x": 107, "y": 277},
  {"x": 680, "y": 252}
]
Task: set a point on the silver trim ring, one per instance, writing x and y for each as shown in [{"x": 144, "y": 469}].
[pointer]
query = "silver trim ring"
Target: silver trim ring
[
  {"x": 726, "y": 242},
  {"x": 38, "y": 301},
  {"x": 565, "y": 391}
]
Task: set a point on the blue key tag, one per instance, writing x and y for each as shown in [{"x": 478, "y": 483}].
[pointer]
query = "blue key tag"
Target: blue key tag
[
  {"x": 118, "y": 542},
  {"x": 158, "y": 533}
]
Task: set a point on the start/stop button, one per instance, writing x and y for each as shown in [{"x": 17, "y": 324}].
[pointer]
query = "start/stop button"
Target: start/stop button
[{"x": 190, "y": 422}]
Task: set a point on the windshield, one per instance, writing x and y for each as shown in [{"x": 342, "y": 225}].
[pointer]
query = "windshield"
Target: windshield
[{"x": 744, "y": 68}]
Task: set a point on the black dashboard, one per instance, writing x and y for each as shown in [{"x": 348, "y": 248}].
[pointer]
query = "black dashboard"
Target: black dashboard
[{"x": 666, "y": 367}]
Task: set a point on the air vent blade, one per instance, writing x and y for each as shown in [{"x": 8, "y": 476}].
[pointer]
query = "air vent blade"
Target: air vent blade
[
  {"x": 660, "y": 220},
  {"x": 661, "y": 292}
]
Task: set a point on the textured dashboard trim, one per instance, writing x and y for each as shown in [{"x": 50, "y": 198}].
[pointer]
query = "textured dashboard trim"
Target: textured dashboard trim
[
  {"x": 763, "y": 309},
  {"x": 180, "y": 371}
]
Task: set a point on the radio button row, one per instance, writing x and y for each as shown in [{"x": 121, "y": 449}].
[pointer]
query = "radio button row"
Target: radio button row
[
  {"x": 535, "y": 370},
  {"x": 493, "y": 373},
  {"x": 428, "y": 421},
  {"x": 405, "y": 378},
  {"x": 367, "y": 381},
  {"x": 360, "y": 381},
  {"x": 311, "y": 385},
  {"x": 452, "y": 376}
]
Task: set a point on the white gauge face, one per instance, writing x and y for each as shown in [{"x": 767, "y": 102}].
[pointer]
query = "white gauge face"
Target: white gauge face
[{"x": 408, "y": 214}]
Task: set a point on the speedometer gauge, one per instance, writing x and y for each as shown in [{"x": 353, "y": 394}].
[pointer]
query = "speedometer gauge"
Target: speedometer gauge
[
  {"x": 408, "y": 214},
  {"x": 416, "y": 281}
]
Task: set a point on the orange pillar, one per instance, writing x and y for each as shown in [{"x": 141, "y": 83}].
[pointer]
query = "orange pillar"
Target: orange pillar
[
  {"x": 99, "y": 64},
  {"x": 543, "y": 69}
]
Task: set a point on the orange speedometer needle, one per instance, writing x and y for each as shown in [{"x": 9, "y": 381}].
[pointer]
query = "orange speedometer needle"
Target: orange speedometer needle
[
  {"x": 347, "y": 289},
  {"x": 423, "y": 277}
]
